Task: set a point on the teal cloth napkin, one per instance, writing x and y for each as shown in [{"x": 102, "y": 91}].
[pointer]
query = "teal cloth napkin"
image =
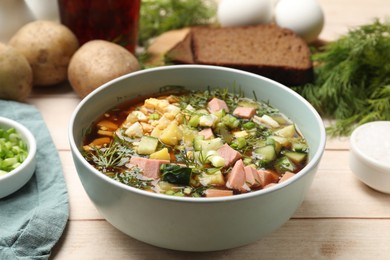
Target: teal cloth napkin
[{"x": 33, "y": 219}]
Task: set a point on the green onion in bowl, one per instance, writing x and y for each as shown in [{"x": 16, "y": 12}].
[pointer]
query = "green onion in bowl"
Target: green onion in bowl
[
  {"x": 13, "y": 150},
  {"x": 18, "y": 150}
]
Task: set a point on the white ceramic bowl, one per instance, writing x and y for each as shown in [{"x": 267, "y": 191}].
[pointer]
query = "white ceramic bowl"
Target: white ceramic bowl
[
  {"x": 195, "y": 224},
  {"x": 18, "y": 177},
  {"x": 369, "y": 156}
]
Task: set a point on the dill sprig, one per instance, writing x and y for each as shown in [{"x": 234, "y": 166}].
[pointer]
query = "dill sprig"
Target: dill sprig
[
  {"x": 158, "y": 16},
  {"x": 199, "y": 100},
  {"x": 352, "y": 78},
  {"x": 106, "y": 158},
  {"x": 231, "y": 99},
  {"x": 196, "y": 100},
  {"x": 133, "y": 178}
]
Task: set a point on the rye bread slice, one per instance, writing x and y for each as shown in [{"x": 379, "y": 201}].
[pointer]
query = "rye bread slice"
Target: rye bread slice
[
  {"x": 266, "y": 50},
  {"x": 181, "y": 53}
]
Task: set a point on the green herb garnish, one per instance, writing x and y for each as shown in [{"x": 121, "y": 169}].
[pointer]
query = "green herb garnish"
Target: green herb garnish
[
  {"x": 199, "y": 100},
  {"x": 116, "y": 154},
  {"x": 352, "y": 78},
  {"x": 133, "y": 178},
  {"x": 13, "y": 150},
  {"x": 158, "y": 16}
]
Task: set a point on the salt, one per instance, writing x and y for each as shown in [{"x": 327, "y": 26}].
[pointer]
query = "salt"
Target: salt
[{"x": 373, "y": 140}]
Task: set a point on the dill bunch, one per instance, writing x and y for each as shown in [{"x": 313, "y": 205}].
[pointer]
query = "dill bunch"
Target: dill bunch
[
  {"x": 158, "y": 16},
  {"x": 352, "y": 78}
]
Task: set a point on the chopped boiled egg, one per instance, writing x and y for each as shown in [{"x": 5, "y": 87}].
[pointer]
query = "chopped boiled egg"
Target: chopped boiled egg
[
  {"x": 208, "y": 120},
  {"x": 139, "y": 115},
  {"x": 173, "y": 109},
  {"x": 135, "y": 130},
  {"x": 266, "y": 120}
]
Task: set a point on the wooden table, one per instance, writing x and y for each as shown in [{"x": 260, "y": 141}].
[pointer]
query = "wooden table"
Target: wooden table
[{"x": 340, "y": 218}]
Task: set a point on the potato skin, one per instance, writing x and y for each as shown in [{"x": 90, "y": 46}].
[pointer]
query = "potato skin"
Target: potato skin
[
  {"x": 15, "y": 75},
  {"x": 48, "y": 47},
  {"x": 97, "y": 62}
]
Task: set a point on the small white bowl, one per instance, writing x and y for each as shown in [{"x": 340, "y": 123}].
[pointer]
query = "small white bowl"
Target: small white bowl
[
  {"x": 17, "y": 178},
  {"x": 369, "y": 157}
]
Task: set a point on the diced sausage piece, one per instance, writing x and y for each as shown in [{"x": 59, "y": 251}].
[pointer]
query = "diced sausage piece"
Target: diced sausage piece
[
  {"x": 267, "y": 177},
  {"x": 216, "y": 105},
  {"x": 236, "y": 178},
  {"x": 286, "y": 176},
  {"x": 207, "y": 133},
  {"x": 229, "y": 154},
  {"x": 244, "y": 112},
  {"x": 218, "y": 193},
  {"x": 251, "y": 176},
  {"x": 150, "y": 167}
]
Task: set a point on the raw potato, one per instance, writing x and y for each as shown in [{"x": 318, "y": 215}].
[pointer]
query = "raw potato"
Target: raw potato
[
  {"x": 97, "y": 62},
  {"x": 48, "y": 47},
  {"x": 15, "y": 74}
]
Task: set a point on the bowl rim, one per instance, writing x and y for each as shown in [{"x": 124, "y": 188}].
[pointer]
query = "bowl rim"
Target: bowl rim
[
  {"x": 312, "y": 163},
  {"x": 359, "y": 153},
  {"x": 30, "y": 141}
]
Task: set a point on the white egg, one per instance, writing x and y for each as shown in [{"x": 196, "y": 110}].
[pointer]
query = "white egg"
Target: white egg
[
  {"x": 244, "y": 12},
  {"x": 304, "y": 17}
]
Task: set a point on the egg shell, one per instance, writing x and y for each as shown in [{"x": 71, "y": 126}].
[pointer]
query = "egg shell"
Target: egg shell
[
  {"x": 244, "y": 12},
  {"x": 304, "y": 17}
]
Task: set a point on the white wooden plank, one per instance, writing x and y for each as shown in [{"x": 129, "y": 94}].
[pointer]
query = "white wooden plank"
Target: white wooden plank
[
  {"x": 56, "y": 112},
  {"x": 80, "y": 205},
  {"x": 297, "y": 239},
  {"x": 341, "y": 16},
  {"x": 336, "y": 192}
]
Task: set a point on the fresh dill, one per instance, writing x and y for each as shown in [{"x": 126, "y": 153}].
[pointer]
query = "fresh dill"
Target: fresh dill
[
  {"x": 159, "y": 16},
  {"x": 231, "y": 99},
  {"x": 352, "y": 78},
  {"x": 133, "y": 178},
  {"x": 116, "y": 154},
  {"x": 196, "y": 100},
  {"x": 199, "y": 100}
]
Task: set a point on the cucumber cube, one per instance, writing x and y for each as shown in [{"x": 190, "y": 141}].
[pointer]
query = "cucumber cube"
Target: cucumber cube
[
  {"x": 296, "y": 157},
  {"x": 284, "y": 164},
  {"x": 266, "y": 153},
  {"x": 287, "y": 131}
]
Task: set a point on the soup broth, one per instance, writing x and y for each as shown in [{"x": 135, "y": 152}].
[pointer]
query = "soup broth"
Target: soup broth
[{"x": 196, "y": 144}]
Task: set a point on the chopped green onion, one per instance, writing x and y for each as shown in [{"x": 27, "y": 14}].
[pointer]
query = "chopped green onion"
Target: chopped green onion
[
  {"x": 230, "y": 121},
  {"x": 13, "y": 150},
  {"x": 194, "y": 121},
  {"x": 239, "y": 143},
  {"x": 249, "y": 125}
]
